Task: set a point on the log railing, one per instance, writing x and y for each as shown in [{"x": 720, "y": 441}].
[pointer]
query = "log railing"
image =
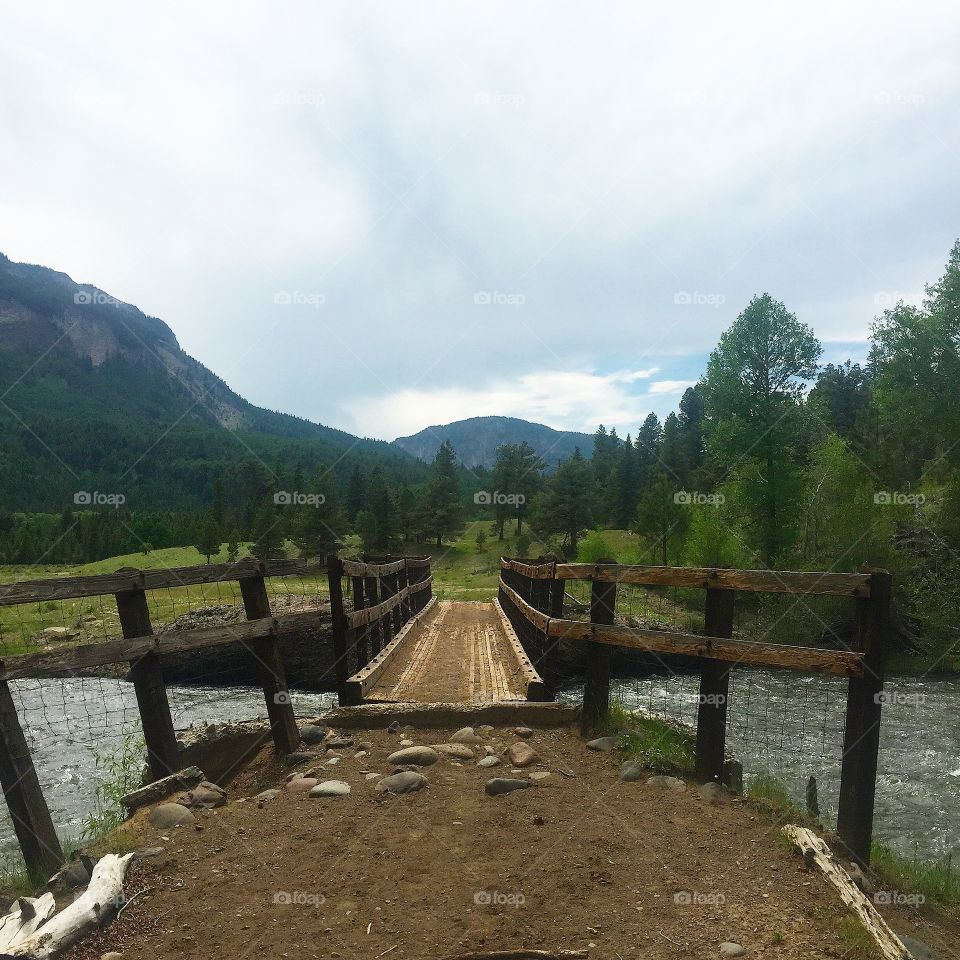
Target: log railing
[
  {"x": 532, "y": 594},
  {"x": 387, "y": 596},
  {"x": 143, "y": 649}
]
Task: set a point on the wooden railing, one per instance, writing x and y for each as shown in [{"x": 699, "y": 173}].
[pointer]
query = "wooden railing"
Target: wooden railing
[
  {"x": 533, "y": 596},
  {"x": 387, "y": 595},
  {"x": 142, "y": 648}
]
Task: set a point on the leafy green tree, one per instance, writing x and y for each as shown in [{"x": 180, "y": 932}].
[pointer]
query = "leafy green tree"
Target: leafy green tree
[
  {"x": 566, "y": 504},
  {"x": 443, "y": 511},
  {"x": 659, "y": 517},
  {"x": 753, "y": 390},
  {"x": 208, "y": 535},
  {"x": 481, "y": 539},
  {"x": 518, "y": 474}
]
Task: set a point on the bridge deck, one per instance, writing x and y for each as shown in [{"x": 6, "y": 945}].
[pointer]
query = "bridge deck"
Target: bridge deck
[{"x": 460, "y": 654}]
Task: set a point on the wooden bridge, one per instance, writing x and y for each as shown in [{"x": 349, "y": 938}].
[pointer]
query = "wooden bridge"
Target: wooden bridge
[{"x": 393, "y": 641}]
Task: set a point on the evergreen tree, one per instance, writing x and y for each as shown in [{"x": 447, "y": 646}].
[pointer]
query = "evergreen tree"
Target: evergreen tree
[
  {"x": 443, "y": 512},
  {"x": 566, "y": 505}
]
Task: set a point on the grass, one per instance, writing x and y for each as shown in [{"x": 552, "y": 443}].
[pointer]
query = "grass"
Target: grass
[
  {"x": 937, "y": 880},
  {"x": 20, "y": 625},
  {"x": 660, "y": 746}
]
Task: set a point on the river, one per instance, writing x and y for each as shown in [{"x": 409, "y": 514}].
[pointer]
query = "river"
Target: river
[{"x": 785, "y": 724}]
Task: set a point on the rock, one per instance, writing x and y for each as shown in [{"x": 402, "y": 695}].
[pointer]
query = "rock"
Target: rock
[
  {"x": 159, "y": 790},
  {"x": 340, "y": 743},
  {"x": 71, "y": 876},
  {"x": 360, "y": 754},
  {"x": 604, "y": 744},
  {"x": 406, "y": 743},
  {"x": 302, "y": 785},
  {"x": 394, "y": 727},
  {"x": 860, "y": 879},
  {"x": 266, "y": 795},
  {"x": 489, "y": 762},
  {"x": 918, "y": 949},
  {"x": 60, "y": 633},
  {"x": 362, "y": 747},
  {"x": 465, "y": 735},
  {"x": 407, "y": 781},
  {"x": 499, "y": 785},
  {"x": 731, "y": 949},
  {"x": 298, "y": 757},
  {"x": 330, "y": 788},
  {"x": 313, "y": 734},
  {"x": 458, "y": 750},
  {"x": 205, "y": 796},
  {"x": 112, "y": 955},
  {"x": 711, "y": 793},
  {"x": 371, "y": 776},
  {"x": 418, "y": 756},
  {"x": 522, "y": 754},
  {"x": 540, "y": 774},
  {"x": 671, "y": 783},
  {"x": 333, "y": 761},
  {"x": 631, "y": 771},
  {"x": 170, "y": 815},
  {"x": 523, "y": 732},
  {"x": 485, "y": 728}
]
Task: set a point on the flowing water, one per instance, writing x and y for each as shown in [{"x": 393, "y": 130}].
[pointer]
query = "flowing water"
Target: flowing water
[{"x": 783, "y": 724}]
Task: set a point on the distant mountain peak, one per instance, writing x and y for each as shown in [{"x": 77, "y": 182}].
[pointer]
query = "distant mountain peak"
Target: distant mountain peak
[{"x": 476, "y": 439}]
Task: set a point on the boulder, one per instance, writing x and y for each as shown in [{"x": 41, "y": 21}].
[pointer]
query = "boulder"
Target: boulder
[
  {"x": 604, "y": 744},
  {"x": 489, "y": 762},
  {"x": 330, "y": 788},
  {"x": 302, "y": 785},
  {"x": 465, "y": 735},
  {"x": 205, "y": 796},
  {"x": 458, "y": 751},
  {"x": 522, "y": 754},
  {"x": 499, "y": 785},
  {"x": 670, "y": 783},
  {"x": 415, "y": 756},
  {"x": 168, "y": 815},
  {"x": 407, "y": 781},
  {"x": 266, "y": 795},
  {"x": 159, "y": 790},
  {"x": 631, "y": 771},
  {"x": 313, "y": 734}
]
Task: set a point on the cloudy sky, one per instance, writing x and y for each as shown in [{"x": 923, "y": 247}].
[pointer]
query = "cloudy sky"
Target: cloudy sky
[{"x": 386, "y": 215}]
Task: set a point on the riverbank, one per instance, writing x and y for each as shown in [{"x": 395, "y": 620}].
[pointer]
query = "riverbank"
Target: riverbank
[{"x": 578, "y": 859}]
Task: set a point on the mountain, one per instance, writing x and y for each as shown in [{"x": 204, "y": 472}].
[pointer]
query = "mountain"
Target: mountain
[
  {"x": 95, "y": 395},
  {"x": 476, "y": 440}
]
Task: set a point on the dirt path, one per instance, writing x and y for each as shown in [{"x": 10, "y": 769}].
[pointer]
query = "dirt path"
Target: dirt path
[
  {"x": 460, "y": 655},
  {"x": 579, "y": 860}
]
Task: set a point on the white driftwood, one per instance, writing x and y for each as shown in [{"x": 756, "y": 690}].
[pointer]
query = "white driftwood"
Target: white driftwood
[
  {"x": 814, "y": 848},
  {"x": 24, "y": 917},
  {"x": 91, "y": 909}
]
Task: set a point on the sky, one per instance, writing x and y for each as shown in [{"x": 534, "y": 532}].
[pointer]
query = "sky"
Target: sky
[{"x": 382, "y": 216}]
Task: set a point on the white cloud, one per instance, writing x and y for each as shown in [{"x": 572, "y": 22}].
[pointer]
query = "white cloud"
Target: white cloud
[
  {"x": 399, "y": 159},
  {"x": 660, "y": 387},
  {"x": 563, "y": 400}
]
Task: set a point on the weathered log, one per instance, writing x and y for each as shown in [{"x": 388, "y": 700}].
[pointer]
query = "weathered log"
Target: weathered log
[
  {"x": 26, "y": 915},
  {"x": 95, "y": 907},
  {"x": 815, "y": 850},
  {"x": 183, "y": 780},
  {"x": 523, "y": 954}
]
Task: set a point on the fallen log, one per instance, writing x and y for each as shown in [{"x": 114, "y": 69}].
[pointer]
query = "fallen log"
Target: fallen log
[
  {"x": 815, "y": 851},
  {"x": 24, "y": 917},
  {"x": 93, "y": 908}
]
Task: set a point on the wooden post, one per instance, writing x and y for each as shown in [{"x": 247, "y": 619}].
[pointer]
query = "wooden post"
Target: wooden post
[
  {"x": 163, "y": 753},
  {"x": 714, "y": 688},
  {"x": 372, "y": 599},
  {"x": 861, "y": 741},
  {"x": 339, "y": 624},
  {"x": 551, "y": 671},
  {"x": 403, "y": 611},
  {"x": 283, "y": 722},
  {"x": 596, "y": 689},
  {"x": 28, "y": 809},
  {"x": 360, "y": 634},
  {"x": 387, "y": 590}
]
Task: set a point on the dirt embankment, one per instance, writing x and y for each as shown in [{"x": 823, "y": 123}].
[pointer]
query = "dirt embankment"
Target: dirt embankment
[{"x": 578, "y": 860}]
